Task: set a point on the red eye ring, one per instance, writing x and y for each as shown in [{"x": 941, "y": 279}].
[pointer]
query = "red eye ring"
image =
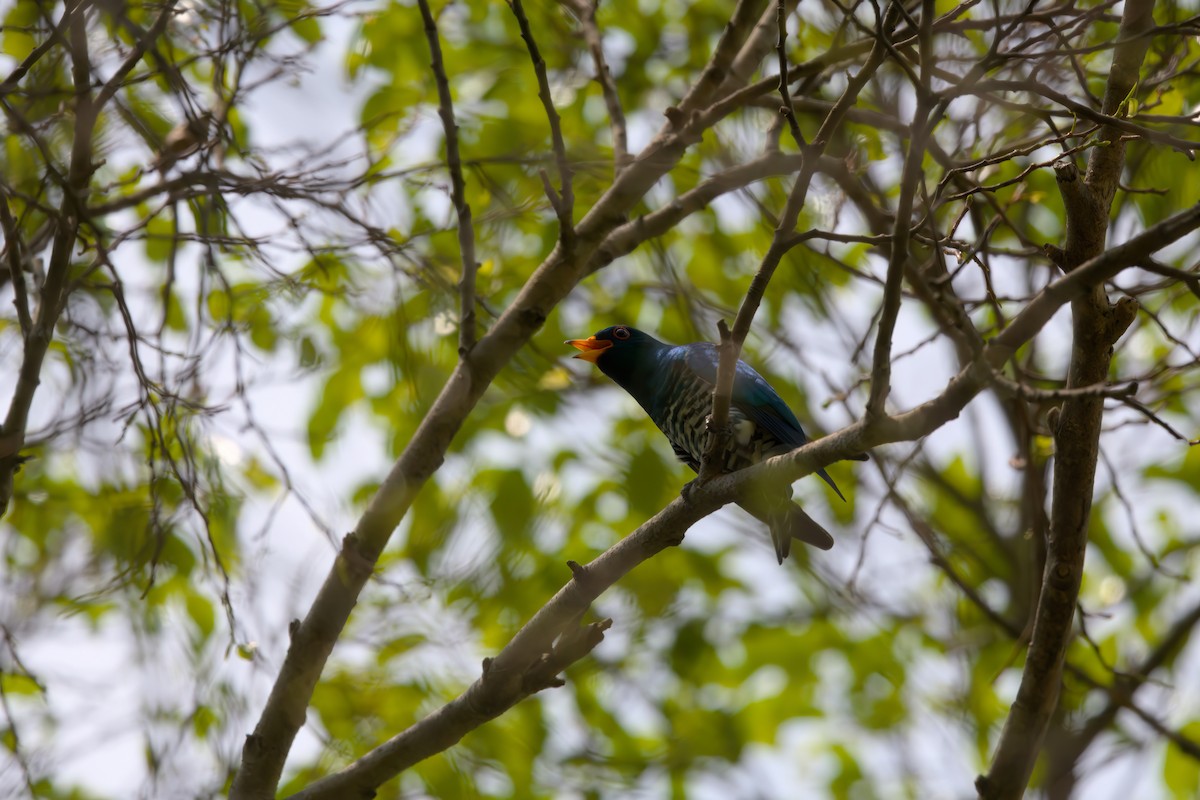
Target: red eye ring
[{"x": 621, "y": 333}]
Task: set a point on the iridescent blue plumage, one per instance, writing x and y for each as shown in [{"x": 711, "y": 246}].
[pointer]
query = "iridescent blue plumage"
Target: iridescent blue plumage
[{"x": 674, "y": 385}]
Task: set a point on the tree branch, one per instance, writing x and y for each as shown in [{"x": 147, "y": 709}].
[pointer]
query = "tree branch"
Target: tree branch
[
  {"x": 667, "y": 527},
  {"x": 788, "y": 111},
  {"x": 1096, "y": 327},
  {"x": 1025, "y": 325},
  {"x": 781, "y": 242},
  {"x": 745, "y": 17},
  {"x": 466, "y": 228},
  {"x": 586, "y": 10},
  {"x": 54, "y": 290},
  {"x": 12, "y": 246},
  {"x": 764, "y": 36},
  {"x": 11, "y": 82},
  {"x": 1120, "y": 695},
  {"x": 506, "y": 678},
  {"x": 266, "y": 749},
  {"x": 881, "y": 367},
  {"x": 564, "y": 201}
]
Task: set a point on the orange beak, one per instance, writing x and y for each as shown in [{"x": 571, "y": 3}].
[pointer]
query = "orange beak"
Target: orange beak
[{"x": 591, "y": 347}]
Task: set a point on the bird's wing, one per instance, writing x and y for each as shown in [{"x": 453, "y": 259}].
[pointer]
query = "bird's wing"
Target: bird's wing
[
  {"x": 755, "y": 398},
  {"x": 685, "y": 457},
  {"x": 752, "y": 395}
]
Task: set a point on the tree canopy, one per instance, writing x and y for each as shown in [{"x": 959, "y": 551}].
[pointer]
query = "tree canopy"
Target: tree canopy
[{"x": 301, "y": 496}]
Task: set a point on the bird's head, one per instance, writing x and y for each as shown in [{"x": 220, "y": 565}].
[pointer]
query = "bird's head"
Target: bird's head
[{"x": 620, "y": 339}]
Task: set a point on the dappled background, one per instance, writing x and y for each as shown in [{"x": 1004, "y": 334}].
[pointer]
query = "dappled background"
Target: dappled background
[{"x": 253, "y": 332}]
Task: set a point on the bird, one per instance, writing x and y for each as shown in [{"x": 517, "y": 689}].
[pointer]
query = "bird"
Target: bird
[
  {"x": 674, "y": 383},
  {"x": 185, "y": 138}
]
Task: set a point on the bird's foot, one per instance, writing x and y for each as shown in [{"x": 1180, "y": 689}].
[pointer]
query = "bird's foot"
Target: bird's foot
[
  {"x": 710, "y": 425},
  {"x": 686, "y": 491}
]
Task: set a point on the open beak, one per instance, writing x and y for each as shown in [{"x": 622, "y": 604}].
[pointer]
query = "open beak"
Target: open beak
[{"x": 591, "y": 347}]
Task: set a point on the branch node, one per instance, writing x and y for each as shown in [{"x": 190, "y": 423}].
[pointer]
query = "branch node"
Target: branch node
[
  {"x": 253, "y": 744},
  {"x": 1123, "y": 315},
  {"x": 1057, "y": 255},
  {"x": 551, "y": 194},
  {"x": 356, "y": 565},
  {"x": 686, "y": 492},
  {"x": 1065, "y": 170}
]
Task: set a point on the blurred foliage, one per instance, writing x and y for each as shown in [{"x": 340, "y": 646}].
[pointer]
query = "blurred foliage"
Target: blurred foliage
[{"x": 304, "y": 311}]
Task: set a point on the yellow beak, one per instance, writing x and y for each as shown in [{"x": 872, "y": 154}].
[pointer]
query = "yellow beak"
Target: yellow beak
[{"x": 591, "y": 347}]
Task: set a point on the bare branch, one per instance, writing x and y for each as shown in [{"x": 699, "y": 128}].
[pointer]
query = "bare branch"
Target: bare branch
[
  {"x": 314, "y": 637},
  {"x": 55, "y": 36},
  {"x": 731, "y": 345},
  {"x": 881, "y": 368},
  {"x": 564, "y": 202},
  {"x": 1074, "y": 108},
  {"x": 54, "y": 290},
  {"x": 1096, "y": 326},
  {"x": 586, "y": 11},
  {"x": 1025, "y": 325},
  {"x": 757, "y": 45},
  {"x": 745, "y": 17},
  {"x": 266, "y": 749},
  {"x": 1189, "y": 277},
  {"x": 12, "y": 246},
  {"x": 144, "y": 43},
  {"x": 1120, "y": 696},
  {"x": 1159, "y": 421},
  {"x": 788, "y": 111},
  {"x": 466, "y": 228},
  {"x": 549, "y": 642},
  {"x": 1099, "y": 390}
]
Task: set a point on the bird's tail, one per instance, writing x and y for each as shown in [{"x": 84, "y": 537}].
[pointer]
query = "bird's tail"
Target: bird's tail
[{"x": 787, "y": 521}]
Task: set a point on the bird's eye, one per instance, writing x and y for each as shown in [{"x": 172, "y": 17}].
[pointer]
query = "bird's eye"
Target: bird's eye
[{"x": 621, "y": 333}]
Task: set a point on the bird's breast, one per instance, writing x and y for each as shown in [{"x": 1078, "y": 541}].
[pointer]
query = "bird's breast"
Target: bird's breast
[{"x": 683, "y": 413}]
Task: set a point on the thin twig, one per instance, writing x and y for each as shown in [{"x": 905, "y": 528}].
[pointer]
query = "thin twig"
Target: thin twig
[
  {"x": 165, "y": 15},
  {"x": 564, "y": 202},
  {"x": 55, "y": 36},
  {"x": 1189, "y": 277},
  {"x": 731, "y": 344},
  {"x": 466, "y": 229},
  {"x": 741, "y": 23},
  {"x": 608, "y": 88},
  {"x": 924, "y": 119},
  {"x": 787, "y": 111},
  {"x": 1070, "y": 107},
  {"x": 15, "y": 746},
  {"x": 1157, "y": 420},
  {"x": 1105, "y": 389},
  {"x": 12, "y": 242},
  {"x": 55, "y": 287}
]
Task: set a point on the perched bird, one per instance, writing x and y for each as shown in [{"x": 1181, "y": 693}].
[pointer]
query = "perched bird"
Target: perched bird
[
  {"x": 674, "y": 385},
  {"x": 185, "y": 138}
]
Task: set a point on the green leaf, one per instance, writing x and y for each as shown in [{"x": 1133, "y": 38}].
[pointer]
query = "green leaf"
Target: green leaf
[
  {"x": 512, "y": 507},
  {"x": 1181, "y": 771}
]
